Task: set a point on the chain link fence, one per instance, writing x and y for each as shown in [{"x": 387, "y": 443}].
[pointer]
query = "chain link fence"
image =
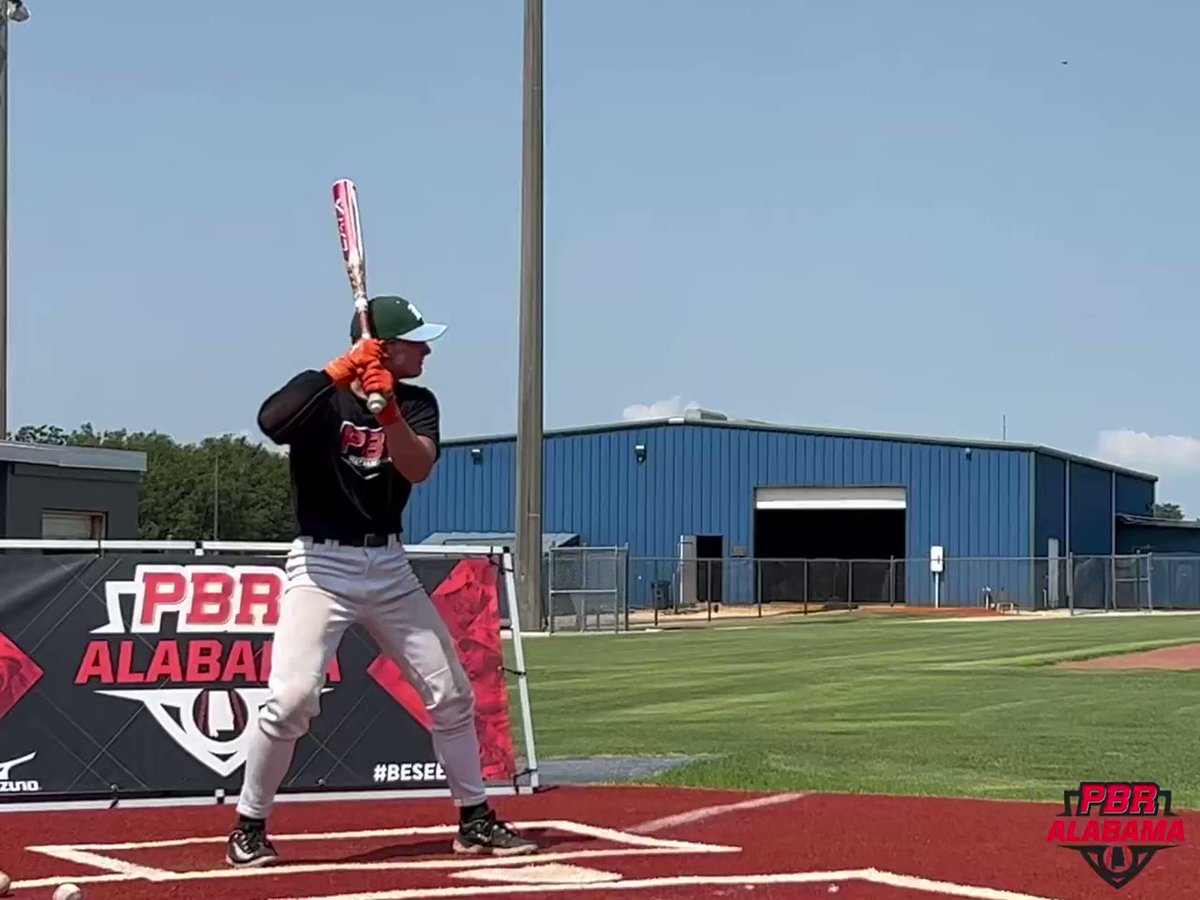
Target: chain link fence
[
  {"x": 606, "y": 589},
  {"x": 585, "y": 589}
]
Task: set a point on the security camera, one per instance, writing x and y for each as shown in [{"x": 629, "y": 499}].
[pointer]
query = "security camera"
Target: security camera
[{"x": 17, "y": 11}]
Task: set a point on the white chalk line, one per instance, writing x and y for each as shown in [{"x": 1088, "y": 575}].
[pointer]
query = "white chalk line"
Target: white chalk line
[
  {"x": 710, "y": 812},
  {"x": 638, "y": 840},
  {"x": 891, "y": 879},
  {"x": 349, "y": 869},
  {"x": 114, "y": 867},
  {"x": 299, "y": 836},
  {"x": 120, "y": 870},
  {"x": 913, "y": 882},
  {"x": 578, "y": 828}
]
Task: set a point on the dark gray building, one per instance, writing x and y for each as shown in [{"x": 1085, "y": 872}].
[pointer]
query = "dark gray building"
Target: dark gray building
[{"x": 69, "y": 493}]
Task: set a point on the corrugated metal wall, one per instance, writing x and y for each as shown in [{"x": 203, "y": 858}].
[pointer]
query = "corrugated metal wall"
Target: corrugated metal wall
[
  {"x": 1135, "y": 496},
  {"x": 1050, "y": 503},
  {"x": 700, "y": 480},
  {"x": 1092, "y": 519},
  {"x": 1093, "y": 510},
  {"x": 991, "y": 504}
]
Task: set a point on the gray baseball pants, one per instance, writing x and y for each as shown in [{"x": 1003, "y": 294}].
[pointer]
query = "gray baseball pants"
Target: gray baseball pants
[{"x": 328, "y": 588}]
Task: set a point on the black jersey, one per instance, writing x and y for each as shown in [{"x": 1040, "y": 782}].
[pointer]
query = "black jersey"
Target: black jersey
[{"x": 343, "y": 482}]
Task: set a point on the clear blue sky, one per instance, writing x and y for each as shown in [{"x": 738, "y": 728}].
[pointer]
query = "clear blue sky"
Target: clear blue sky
[{"x": 853, "y": 214}]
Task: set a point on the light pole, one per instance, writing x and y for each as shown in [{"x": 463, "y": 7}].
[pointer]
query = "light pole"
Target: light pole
[
  {"x": 529, "y": 398},
  {"x": 10, "y": 11}
]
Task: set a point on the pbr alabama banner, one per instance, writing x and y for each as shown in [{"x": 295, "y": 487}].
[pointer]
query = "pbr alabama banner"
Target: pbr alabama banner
[{"x": 142, "y": 674}]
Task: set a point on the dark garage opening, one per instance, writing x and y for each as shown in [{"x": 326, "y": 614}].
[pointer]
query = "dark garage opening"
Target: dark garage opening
[
  {"x": 710, "y": 551},
  {"x": 831, "y": 557}
]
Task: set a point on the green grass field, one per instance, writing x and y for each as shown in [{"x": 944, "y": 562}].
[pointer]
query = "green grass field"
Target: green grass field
[{"x": 868, "y": 703}]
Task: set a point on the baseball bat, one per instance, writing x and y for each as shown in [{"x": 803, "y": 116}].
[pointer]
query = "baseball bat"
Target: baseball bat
[{"x": 345, "y": 207}]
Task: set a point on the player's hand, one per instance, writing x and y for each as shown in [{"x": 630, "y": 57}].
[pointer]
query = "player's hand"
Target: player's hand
[
  {"x": 376, "y": 379},
  {"x": 345, "y": 368}
]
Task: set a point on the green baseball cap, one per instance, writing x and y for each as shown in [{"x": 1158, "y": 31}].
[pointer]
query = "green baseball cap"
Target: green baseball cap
[{"x": 395, "y": 318}]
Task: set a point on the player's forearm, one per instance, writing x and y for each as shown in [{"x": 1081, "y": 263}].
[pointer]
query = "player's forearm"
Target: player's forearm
[
  {"x": 410, "y": 454},
  {"x": 286, "y": 411}
]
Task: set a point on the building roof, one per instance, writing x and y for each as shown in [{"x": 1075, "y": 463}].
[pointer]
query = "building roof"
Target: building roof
[
  {"x": 1156, "y": 522},
  {"x": 710, "y": 419},
  {"x": 73, "y": 457}
]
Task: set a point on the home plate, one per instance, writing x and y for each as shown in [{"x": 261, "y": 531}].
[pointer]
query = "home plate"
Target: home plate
[{"x": 547, "y": 873}]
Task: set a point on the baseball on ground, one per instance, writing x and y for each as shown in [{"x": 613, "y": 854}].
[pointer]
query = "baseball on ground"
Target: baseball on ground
[
  {"x": 68, "y": 892},
  {"x": 5, "y": 884}
]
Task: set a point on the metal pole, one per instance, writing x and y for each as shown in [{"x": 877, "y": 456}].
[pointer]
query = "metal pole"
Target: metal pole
[
  {"x": 708, "y": 591},
  {"x": 529, "y": 406},
  {"x": 3, "y": 219},
  {"x": 216, "y": 494},
  {"x": 1071, "y": 582},
  {"x": 1148, "y": 590},
  {"x": 758, "y": 585}
]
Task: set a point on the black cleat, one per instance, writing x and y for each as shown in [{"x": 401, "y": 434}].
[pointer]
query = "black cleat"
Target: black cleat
[
  {"x": 249, "y": 848},
  {"x": 487, "y": 836}
]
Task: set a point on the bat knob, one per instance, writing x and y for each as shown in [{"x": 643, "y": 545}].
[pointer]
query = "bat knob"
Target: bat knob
[{"x": 376, "y": 403}]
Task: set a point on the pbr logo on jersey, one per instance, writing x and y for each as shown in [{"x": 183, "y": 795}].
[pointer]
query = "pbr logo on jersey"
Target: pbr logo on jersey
[
  {"x": 1117, "y": 827},
  {"x": 363, "y": 449},
  {"x": 193, "y": 653}
]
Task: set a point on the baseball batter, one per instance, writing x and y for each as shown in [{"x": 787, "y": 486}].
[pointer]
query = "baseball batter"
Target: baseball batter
[{"x": 352, "y": 473}]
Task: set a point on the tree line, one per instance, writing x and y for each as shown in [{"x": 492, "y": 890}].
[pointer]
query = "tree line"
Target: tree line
[
  {"x": 226, "y": 488},
  {"x": 1168, "y": 511}
]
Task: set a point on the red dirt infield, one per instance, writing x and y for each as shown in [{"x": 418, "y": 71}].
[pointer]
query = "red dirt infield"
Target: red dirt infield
[
  {"x": 1182, "y": 658},
  {"x": 598, "y": 842}
]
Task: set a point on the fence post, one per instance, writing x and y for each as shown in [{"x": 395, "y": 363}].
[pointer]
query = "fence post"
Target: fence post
[
  {"x": 891, "y": 581},
  {"x": 805, "y": 587},
  {"x": 653, "y": 596},
  {"x": 583, "y": 594},
  {"x": 850, "y": 588},
  {"x": 708, "y": 593},
  {"x": 616, "y": 581},
  {"x": 1111, "y": 603},
  {"x": 550, "y": 590},
  {"x": 1071, "y": 582},
  {"x": 758, "y": 585},
  {"x": 1150, "y": 581},
  {"x": 625, "y": 581},
  {"x": 1137, "y": 582}
]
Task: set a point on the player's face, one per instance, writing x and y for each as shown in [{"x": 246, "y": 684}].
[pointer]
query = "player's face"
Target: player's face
[{"x": 406, "y": 359}]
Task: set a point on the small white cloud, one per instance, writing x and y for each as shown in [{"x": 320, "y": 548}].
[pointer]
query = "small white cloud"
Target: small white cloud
[
  {"x": 660, "y": 409},
  {"x": 1159, "y": 454}
]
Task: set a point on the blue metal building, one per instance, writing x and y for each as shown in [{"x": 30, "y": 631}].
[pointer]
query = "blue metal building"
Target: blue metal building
[{"x": 646, "y": 485}]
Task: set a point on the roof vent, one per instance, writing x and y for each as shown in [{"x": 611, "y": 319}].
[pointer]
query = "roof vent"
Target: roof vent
[{"x": 704, "y": 415}]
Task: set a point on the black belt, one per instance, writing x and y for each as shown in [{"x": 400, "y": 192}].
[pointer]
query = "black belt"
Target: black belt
[{"x": 358, "y": 540}]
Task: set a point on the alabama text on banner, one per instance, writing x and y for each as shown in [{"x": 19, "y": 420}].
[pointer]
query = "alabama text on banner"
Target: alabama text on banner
[{"x": 140, "y": 674}]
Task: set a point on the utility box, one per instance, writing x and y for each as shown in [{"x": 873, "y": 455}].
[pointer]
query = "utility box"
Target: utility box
[{"x": 661, "y": 594}]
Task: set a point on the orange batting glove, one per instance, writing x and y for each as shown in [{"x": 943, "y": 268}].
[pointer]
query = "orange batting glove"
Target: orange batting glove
[
  {"x": 376, "y": 379},
  {"x": 345, "y": 368}
]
